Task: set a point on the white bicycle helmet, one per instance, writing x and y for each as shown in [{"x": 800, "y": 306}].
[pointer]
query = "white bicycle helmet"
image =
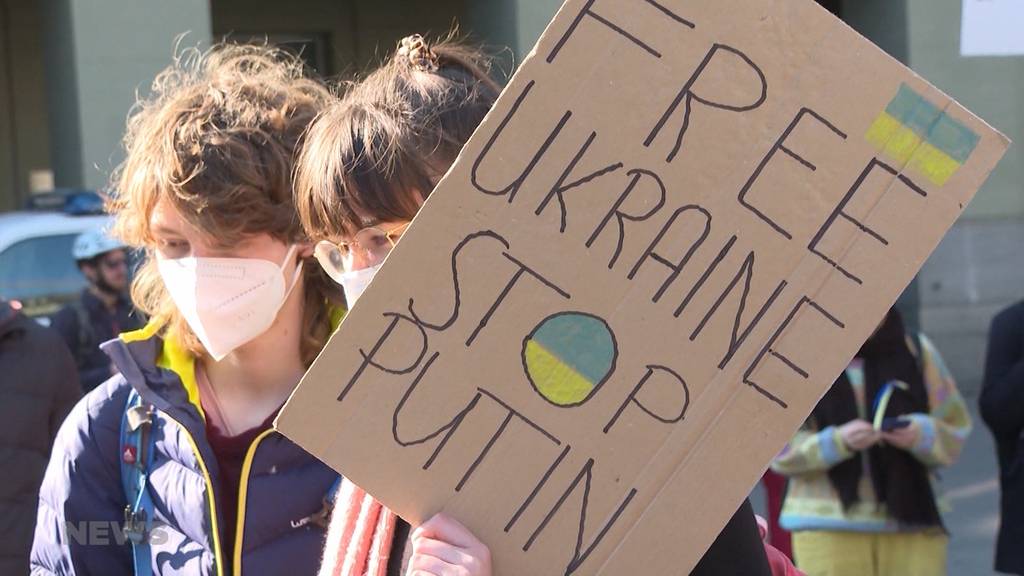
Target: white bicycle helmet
[{"x": 92, "y": 243}]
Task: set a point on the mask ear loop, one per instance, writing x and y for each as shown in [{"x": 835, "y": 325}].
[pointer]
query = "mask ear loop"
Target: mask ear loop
[{"x": 295, "y": 276}]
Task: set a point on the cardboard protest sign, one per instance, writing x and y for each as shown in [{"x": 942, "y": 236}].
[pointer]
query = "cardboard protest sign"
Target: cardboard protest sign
[{"x": 670, "y": 235}]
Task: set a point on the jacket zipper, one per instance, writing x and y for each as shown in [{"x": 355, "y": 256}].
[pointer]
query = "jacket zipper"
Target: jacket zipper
[{"x": 243, "y": 490}]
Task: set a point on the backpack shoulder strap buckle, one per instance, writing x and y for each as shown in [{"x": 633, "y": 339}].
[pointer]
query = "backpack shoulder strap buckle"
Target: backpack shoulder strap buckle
[
  {"x": 138, "y": 416},
  {"x": 134, "y": 527}
]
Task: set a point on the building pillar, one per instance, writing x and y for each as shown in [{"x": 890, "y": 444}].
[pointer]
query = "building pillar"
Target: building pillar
[{"x": 99, "y": 54}]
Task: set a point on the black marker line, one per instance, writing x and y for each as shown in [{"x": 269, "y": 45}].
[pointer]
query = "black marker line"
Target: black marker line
[
  {"x": 405, "y": 398},
  {"x": 572, "y": 28},
  {"x": 451, "y": 430},
  {"x": 523, "y": 268},
  {"x": 686, "y": 96},
  {"x": 768, "y": 395},
  {"x": 676, "y": 268},
  {"x": 494, "y": 307},
  {"x": 768, "y": 349},
  {"x": 531, "y": 423},
  {"x": 588, "y": 11},
  {"x": 560, "y": 187},
  {"x": 577, "y": 558},
  {"x": 455, "y": 281},
  {"x": 512, "y": 189},
  {"x": 734, "y": 341},
  {"x": 627, "y": 35},
  {"x": 864, "y": 228},
  {"x": 620, "y": 216},
  {"x": 483, "y": 453},
  {"x": 537, "y": 488},
  {"x": 746, "y": 271},
  {"x": 584, "y": 472},
  {"x": 536, "y": 275},
  {"x": 839, "y": 211},
  {"x": 790, "y": 363},
  {"x": 577, "y": 561},
  {"x": 376, "y": 348},
  {"x": 671, "y": 14},
  {"x": 636, "y": 389},
  {"x": 780, "y": 145},
  {"x": 704, "y": 277}
]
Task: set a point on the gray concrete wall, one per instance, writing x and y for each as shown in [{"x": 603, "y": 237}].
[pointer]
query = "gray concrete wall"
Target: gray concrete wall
[
  {"x": 358, "y": 32},
  {"x": 992, "y": 87},
  {"x": 100, "y": 53},
  {"x": 253, "y": 19},
  {"x": 24, "y": 140},
  {"x": 62, "y": 102},
  {"x": 979, "y": 267},
  {"x": 977, "y": 270},
  {"x": 532, "y": 18},
  {"x": 8, "y": 153}
]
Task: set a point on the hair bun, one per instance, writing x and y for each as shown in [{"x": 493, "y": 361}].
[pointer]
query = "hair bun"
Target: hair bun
[{"x": 418, "y": 52}]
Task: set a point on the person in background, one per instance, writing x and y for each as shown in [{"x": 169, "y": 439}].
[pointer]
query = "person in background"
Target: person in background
[
  {"x": 1002, "y": 409},
  {"x": 102, "y": 311},
  {"x": 38, "y": 388},
  {"x": 366, "y": 168},
  {"x": 861, "y": 498}
]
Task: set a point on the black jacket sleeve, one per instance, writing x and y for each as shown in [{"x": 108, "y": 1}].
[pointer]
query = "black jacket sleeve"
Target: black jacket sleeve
[
  {"x": 1002, "y": 396},
  {"x": 738, "y": 550},
  {"x": 65, "y": 322},
  {"x": 67, "y": 391},
  {"x": 91, "y": 373}
]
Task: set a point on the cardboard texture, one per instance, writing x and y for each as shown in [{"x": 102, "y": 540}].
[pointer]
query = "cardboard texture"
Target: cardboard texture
[{"x": 665, "y": 242}]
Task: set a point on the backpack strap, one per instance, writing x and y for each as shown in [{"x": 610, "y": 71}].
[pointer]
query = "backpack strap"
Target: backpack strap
[
  {"x": 332, "y": 492},
  {"x": 321, "y": 517},
  {"x": 136, "y": 456}
]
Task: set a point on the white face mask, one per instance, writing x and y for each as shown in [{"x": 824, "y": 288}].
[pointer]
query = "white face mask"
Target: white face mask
[
  {"x": 227, "y": 301},
  {"x": 354, "y": 283}
]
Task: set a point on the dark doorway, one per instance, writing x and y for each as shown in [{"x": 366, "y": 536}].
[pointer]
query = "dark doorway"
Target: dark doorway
[{"x": 833, "y": 6}]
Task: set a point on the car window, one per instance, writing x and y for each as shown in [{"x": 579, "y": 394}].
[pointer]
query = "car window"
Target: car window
[{"x": 39, "y": 267}]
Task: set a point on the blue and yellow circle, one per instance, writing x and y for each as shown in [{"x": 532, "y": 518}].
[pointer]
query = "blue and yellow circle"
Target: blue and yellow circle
[{"x": 568, "y": 356}]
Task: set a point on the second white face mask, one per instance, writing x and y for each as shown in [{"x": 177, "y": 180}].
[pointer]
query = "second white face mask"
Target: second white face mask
[
  {"x": 227, "y": 301},
  {"x": 355, "y": 283}
]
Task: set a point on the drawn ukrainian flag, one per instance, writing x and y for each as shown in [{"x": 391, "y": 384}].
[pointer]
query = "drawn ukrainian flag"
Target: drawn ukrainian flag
[
  {"x": 922, "y": 137},
  {"x": 569, "y": 356}
]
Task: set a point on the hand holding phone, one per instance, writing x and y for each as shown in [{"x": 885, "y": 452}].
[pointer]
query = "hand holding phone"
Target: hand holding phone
[{"x": 890, "y": 424}]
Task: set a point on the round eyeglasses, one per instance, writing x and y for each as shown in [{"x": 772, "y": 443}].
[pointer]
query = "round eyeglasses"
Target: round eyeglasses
[{"x": 373, "y": 243}]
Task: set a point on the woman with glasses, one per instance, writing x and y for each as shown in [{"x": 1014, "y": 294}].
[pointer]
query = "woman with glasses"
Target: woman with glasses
[{"x": 367, "y": 166}]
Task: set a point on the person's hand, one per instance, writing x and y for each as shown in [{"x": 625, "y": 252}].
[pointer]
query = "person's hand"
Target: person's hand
[
  {"x": 859, "y": 435},
  {"x": 443, "y": 547},
  {"x": 904, "y": 438}
]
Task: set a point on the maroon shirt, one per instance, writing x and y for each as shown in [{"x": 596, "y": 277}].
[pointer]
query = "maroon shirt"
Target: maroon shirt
[{"x": 230, "y": 452}]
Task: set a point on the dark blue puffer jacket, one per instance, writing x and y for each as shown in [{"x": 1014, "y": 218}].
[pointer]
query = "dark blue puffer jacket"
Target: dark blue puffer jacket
[{"x": 82, "y": 503}]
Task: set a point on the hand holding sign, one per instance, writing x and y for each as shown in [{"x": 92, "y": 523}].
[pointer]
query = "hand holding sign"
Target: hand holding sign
[{"x": 443, "y": 547}]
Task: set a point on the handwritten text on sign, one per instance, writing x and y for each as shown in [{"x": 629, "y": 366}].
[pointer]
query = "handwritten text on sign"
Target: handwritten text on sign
[{"x": 673, "y": 230}]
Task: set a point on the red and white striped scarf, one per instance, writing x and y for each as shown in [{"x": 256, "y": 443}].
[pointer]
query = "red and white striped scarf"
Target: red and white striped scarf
[{"x": 360, "y": 534}]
